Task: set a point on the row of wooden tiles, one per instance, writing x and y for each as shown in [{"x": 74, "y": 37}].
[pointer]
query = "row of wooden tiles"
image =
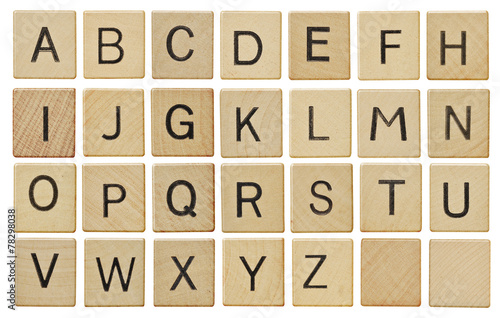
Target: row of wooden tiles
[
  {"x": 250, "y": 44},
  {"x": 251, "y": 122}
]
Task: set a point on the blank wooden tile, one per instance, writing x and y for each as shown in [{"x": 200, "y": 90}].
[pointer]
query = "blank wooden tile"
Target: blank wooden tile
[
  {"x": 250, "y": 43},
  {"x": 113, "y": 197},
  {"x": 322, "y": 272},
  {"x": 184, "y": 272},
  {"x": 389, "y": 45},
  {"x": 121, "y": 35},
  {"x": 183, "y": 44},
  {"x": 182, "y": 122},
  {"x": 320, "y": 123},
  {"x": 113, "y": 122},
  {"x": 459, "y": 273},
  {"x": 45, "y": 197},
  {"x": 391, "y": 197},
  {"x": 459, "y": 197},
  {"x": 389, "y": 123},
  {"x": 251, "y": 123},
  {"x": 183, "y": 197},
  {"x": 44, "y": 44},
  {"x": 45, "y": 272},
  {"x": 121, "y": 259},
  {"x": 44, "y": 122},
  {"x": 459, "y": 123},
  {"x": 318, "y": 45},
  {"x": 253, "y": 272},
  {"x": 390, "y": 272},
  {"x": 321, "y": 198},
  {"x": 447, "y": 34}
]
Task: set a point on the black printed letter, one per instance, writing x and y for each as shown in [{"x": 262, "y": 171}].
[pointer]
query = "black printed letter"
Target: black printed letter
[
  {"x": 51, "y": 48},
  {"x": 310, "y": 43},
  {"x": 257, "y": 39},
  {"x": 466, "y": 201},
  {"x": 115, "y": 44},
  {"x": 384, "y": 46},
  {"x": 168, "y": 123},
  {"x": 252, "y": 273},
  {"x": 169, "y": 43},
  {"x": 55, "y": 193},
  {"x": 399, "y": 113},
  {"x": 307, "y": 283},
  {"x": 240, "y": 200},
  {"x": 188, "y": 209},
  {"x": 107, "y": 200},
  {"x": 392, "y": 185},
  {"x": 320, "y": 196}
]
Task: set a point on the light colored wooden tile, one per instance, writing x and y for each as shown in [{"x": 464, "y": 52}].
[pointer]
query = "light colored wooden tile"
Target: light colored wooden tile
[
  {"x": 391, "y": 197},
  {"x": 251, "y": 123},
  {"x": 321, "y": 198},
  {"x": 113, "y": 197},
  {"x": 184, "y": 272},
  {"x": 459, "y": 273},
  {"x": 320, "y": 123},
  {"x": 322, "y": 272},
  {"x": 390, "y": 272},
  {"x": 44, "y": 122},
  {"x": 253, "y": 272},
  {"x": 44, "y": 44},
  {"x": 465, "y": 28},
  {"x": 45, "y": 272},
  {"x": 459, "y": 123},
  {"x": 183, "y": 44}
]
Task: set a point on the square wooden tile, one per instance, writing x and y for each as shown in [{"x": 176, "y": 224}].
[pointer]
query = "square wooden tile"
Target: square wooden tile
[
  {"x": 121, "y": 259},
  {"x": 459, "y": 273},
  {"x": 391, "y": 197},
  {"x": 322, "y": 272},
  {"x": 457, "y": 45},
  {"x": 113, "y": 197},
  {"x": 253, "y": 272},
  {"x": 390, "y": 272},
  {"x": 43, "y": 122},
  {"x": 183, "y": 44},
  {"x": 250, "y": 44},
  {"x": 184, "y": 272},
  {"x": 459, "y": 197},
  {"x": 321, "y": 198},
  {"x": 459, "y": 123},
  {"x": 251, "y": 123},
  {"x": 320, "y": 123},
  {"x": 389, "y": 45},
  {"x": 45, "y": 272},
  {"x": 113, "y": 43},
  {"x": 45, "y": 197},
  {"x": 44, "y": 44},
  {"x": 389, "y": 123},
  {"x": 318, "y": 45},
  {"x": 113, "y": 122},
  {"x": 183, "y": 197},
  {"x": 182, "y": 122}
]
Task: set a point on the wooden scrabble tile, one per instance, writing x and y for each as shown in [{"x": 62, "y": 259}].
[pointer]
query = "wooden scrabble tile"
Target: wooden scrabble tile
[
  {"x": 459, "y": 197},
  {"x": 184, "y": 272},
  {"x": 121, "y": 259},
  {"x": 252, "y": 198},
  {"x": 320, "y": 123},
  {"x": 113, "y": 122},
  {"x": 253, "y": 272},
  {"x": 182, "y": 122},
  {"x": 318, "y": 45},
  {"x": 44, "y": 44},
  {"x": 457, "y": 45},
  {"x": 459, "y": 123},
  {"x": 322, "y": 272},
  {"x": 321, "y": 198},
  {"x": 251, "y": 123},
  {"x": 183, "y": 197},
  {"x": 390, "y": 272},
  {"x": 389, "y": 123},
  {"x": 391, "y": 197},
  {"x": 459, "y": 273},
  {"x": 45, "y": 272},
  {"x": 113, "y": 197},
  {"x": 113, "y": 44},
  {"x": 250, "y": 43},
  {"x": 183, "y": 44},
  {"x": 389, "y": 45},
  {"x": 45, "y": 197},
  {"x": 44, "y": 122}
]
